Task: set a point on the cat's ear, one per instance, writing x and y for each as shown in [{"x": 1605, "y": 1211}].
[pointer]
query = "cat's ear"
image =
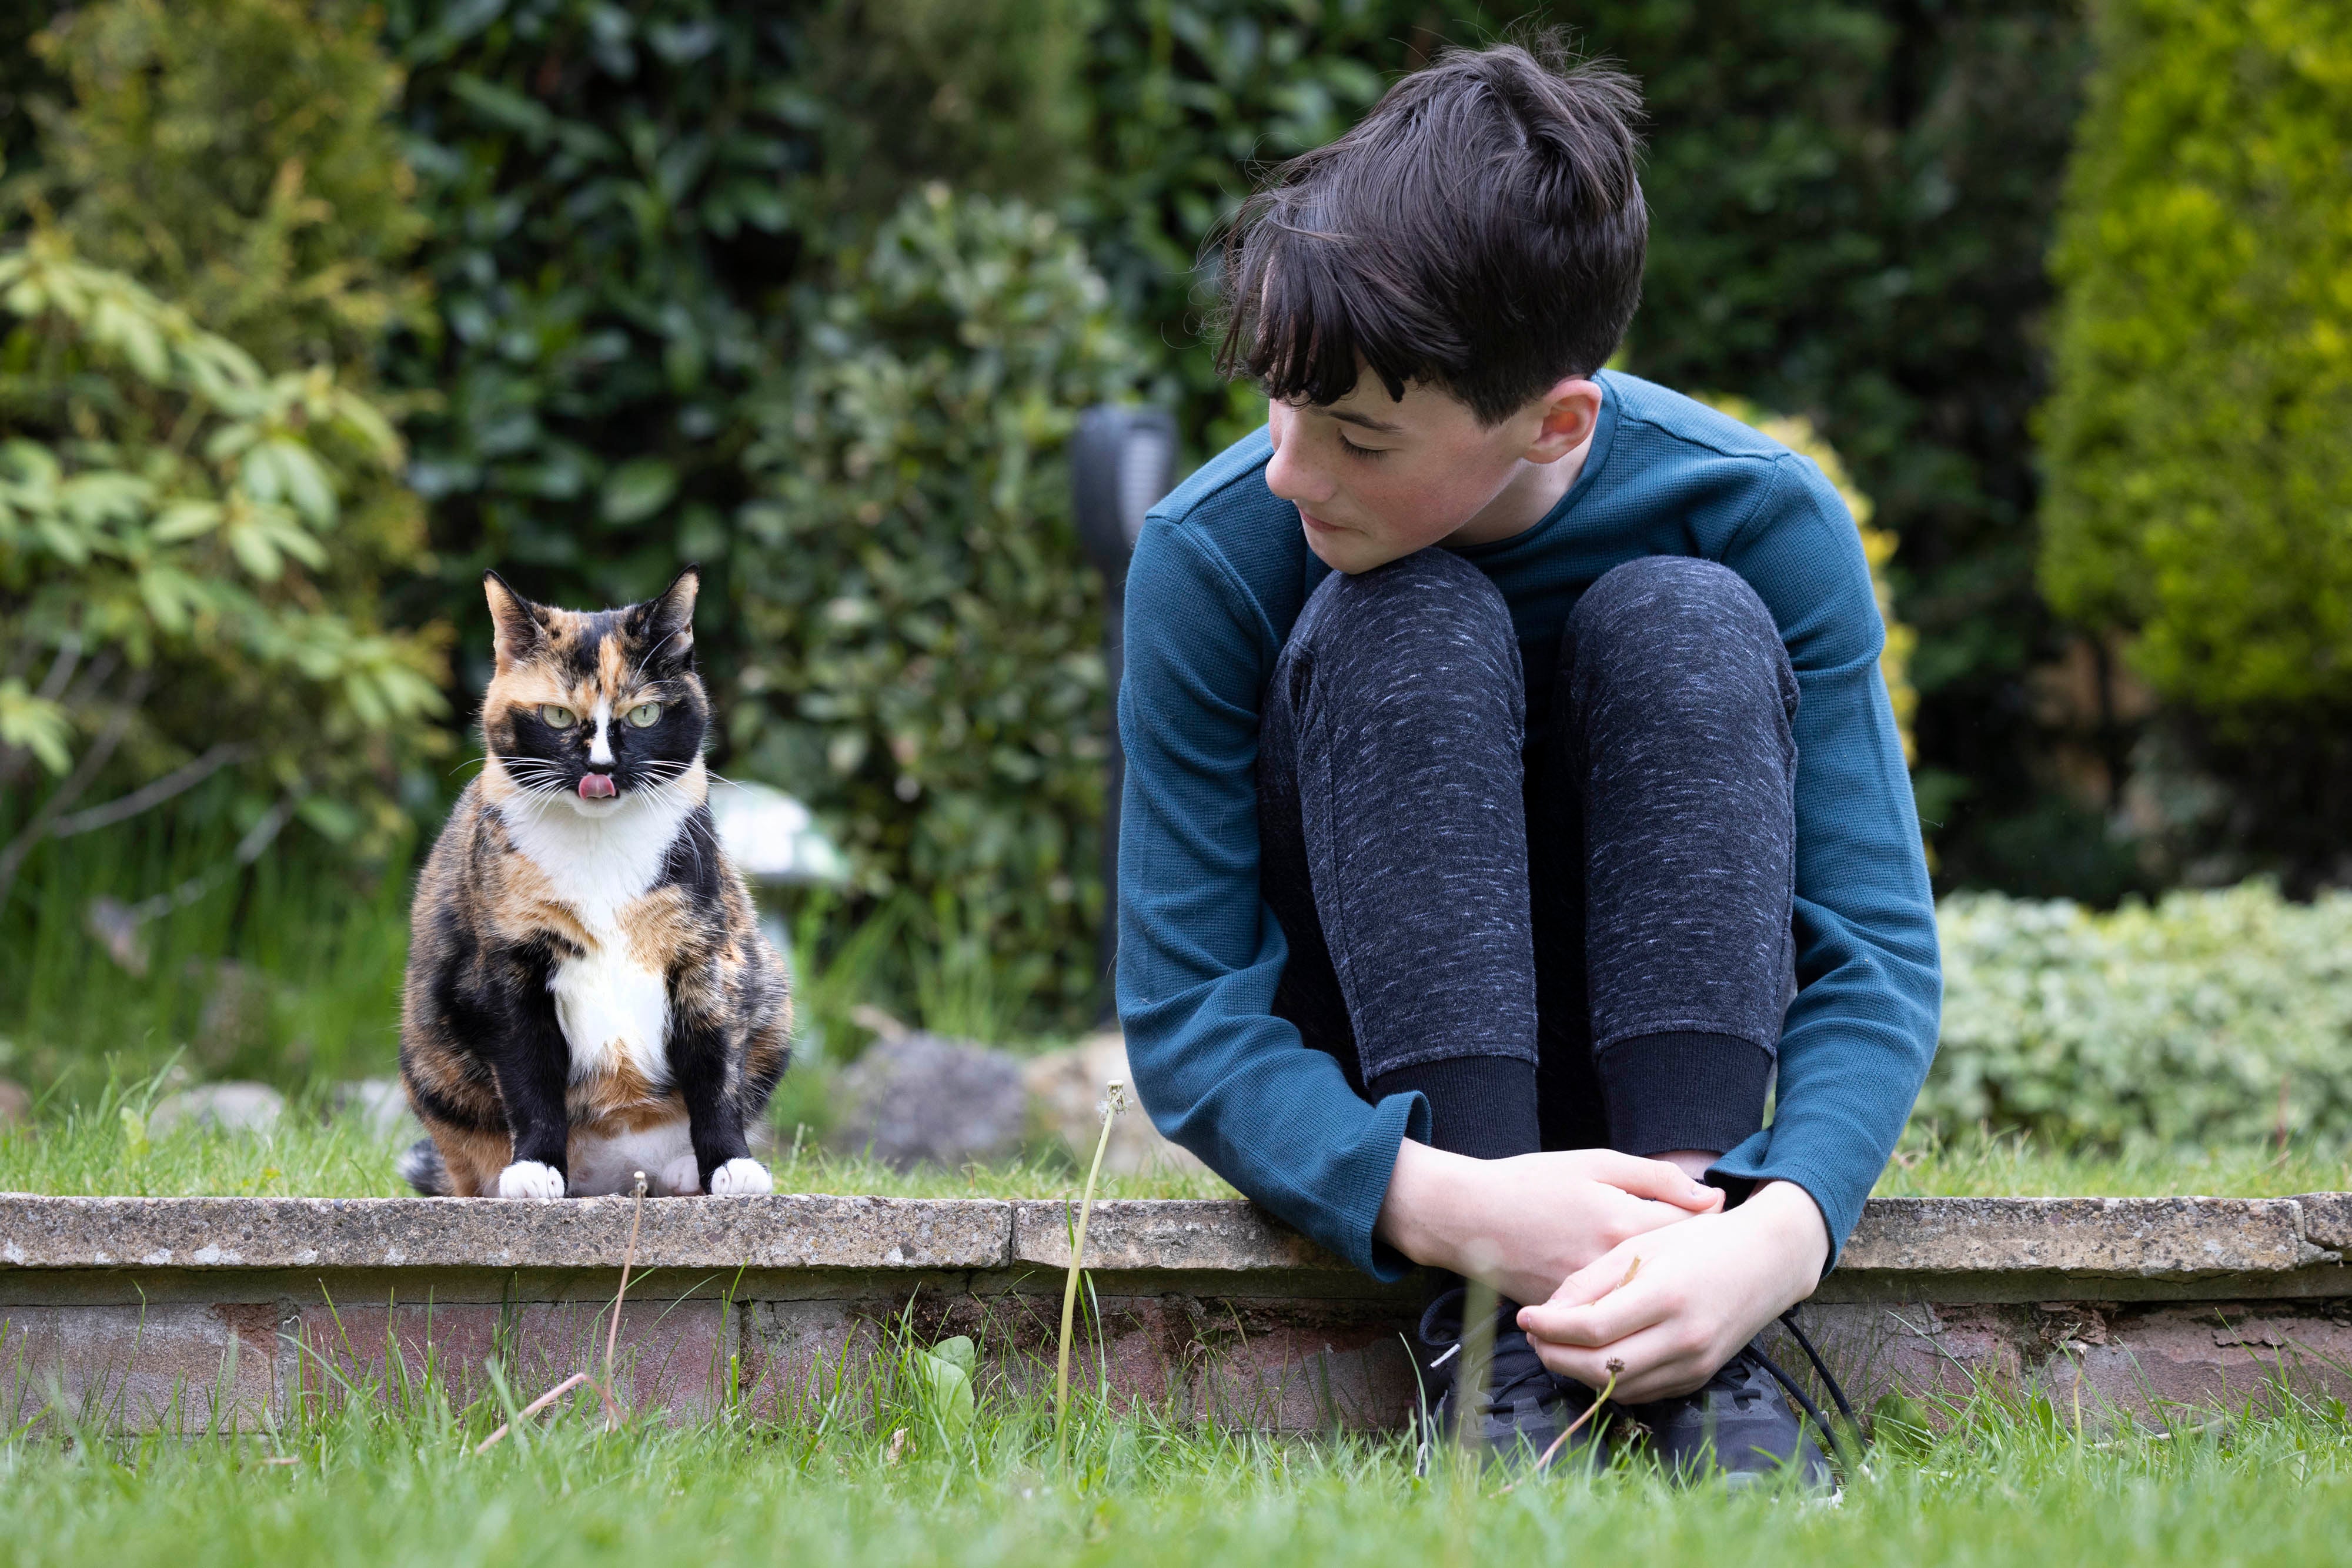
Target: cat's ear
[
  {"x": 520, "y": 628},
  {"x": 665, "y": 623}
]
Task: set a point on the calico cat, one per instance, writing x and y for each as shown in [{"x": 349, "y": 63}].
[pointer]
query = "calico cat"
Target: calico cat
[{"x": 588, "y": 995}]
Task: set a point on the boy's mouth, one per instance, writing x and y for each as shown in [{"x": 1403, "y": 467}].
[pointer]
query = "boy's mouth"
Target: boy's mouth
[{"x": 597, "y": 787}]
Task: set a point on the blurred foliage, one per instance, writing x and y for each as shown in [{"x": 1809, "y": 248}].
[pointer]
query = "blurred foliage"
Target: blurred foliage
[
  {"x": 612, "y": 192},
  {"x": 927, "y": 659},
  {"x": 2199, "y": 438},
  {"x": 199, "y": 503},
  {"x": 669, "y": 330},
  {"x": 235, "y": 156},
  {"x": 2203, "y": 1018},
  {"x": 189, "y": 548},
  {"x": 1878, "y": 547},
  {"x": 981, "y": 93}
]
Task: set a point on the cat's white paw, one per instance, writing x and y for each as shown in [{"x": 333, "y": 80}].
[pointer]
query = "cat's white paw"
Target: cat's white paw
[
  {"x": 530, "y": 1178},
  {"x": 682, "y": 1177},
  {"x": 737, "y": 1178}
]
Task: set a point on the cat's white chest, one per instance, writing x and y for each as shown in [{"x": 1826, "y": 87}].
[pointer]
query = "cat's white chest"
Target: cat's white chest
[
  {"x": 612, "y": 1007},
  {"x": 612, "y": 1011}
]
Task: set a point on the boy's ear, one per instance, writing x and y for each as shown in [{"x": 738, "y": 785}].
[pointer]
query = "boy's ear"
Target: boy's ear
[
  {"x": 665, "y": 623},
  {"x": 521, "y": 624},
  {"x": 1571, "y": 410}
]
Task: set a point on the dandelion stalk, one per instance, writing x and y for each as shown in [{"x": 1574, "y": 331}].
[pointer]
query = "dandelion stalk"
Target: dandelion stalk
[{"x": 1112, "y": 1100}]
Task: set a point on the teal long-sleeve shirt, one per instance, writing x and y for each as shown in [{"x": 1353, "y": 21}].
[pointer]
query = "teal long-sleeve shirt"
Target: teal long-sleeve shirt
[{"x": 1221, "y": 572}]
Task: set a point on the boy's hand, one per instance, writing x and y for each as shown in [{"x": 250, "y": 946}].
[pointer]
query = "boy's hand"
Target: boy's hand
[
  {"x": 1701, "y": 1292},
  {"x": 1525, "y": 1224}
]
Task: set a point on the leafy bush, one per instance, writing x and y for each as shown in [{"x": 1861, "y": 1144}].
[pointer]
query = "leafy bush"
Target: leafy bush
[
  {"x": 2201, "y": 473},
  {"x": 203, "y": 507},
  {"x": 2179, "y": 1022},
  {"x": 236, "y": 156},
  {"x": 613, "y": 194},
  {"x": 924, "y": 637},
  {"x": 188, "y": 551}
]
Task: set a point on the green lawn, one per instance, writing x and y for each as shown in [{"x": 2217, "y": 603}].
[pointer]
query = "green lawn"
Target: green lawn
[
  {"x": 100, "y": 1145},
  {"x": 386, "y": 1481},
  {"x": 2008, "y": 1483}
]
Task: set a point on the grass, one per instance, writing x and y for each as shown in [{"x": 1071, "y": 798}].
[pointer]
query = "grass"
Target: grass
[
  {"x": 869, "y": 1474},
  {"x": 99, "y": 1146},
  {"x": 286, "y": 971}
]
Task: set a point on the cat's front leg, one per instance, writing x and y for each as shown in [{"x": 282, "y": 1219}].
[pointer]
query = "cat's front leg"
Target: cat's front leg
[
  {"x": 534, "y": 1067},
  {"x": 706, "y": 1071}
]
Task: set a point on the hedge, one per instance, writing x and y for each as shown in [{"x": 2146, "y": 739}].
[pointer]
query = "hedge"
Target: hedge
[
  {"x": 2200, "y": 438},
  {"x": 2190, "y": 1021}
]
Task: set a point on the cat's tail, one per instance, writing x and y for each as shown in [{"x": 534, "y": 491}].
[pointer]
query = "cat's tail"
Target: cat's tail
[{"x": 421, "y": 1166}]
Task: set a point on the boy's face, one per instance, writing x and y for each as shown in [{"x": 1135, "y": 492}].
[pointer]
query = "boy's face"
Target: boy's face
[{"x": 1376, "y": 478}]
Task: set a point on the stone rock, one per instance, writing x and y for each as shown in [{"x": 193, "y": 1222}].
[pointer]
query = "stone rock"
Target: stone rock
[
  {"x": 1066, "y": 1090},
  {"x": 917, "y": 1097},
  {"x": 378, "y": 1104},
  {"x": 235, "y": 1014},
  {"x": 15, "y": 1103},
  {"x": 229, "y": 1107}
]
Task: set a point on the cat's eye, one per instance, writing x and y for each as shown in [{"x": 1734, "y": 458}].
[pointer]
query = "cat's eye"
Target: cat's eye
[
  {"x": 559, "y": 715},
  {"x": 645, "y": 714}
]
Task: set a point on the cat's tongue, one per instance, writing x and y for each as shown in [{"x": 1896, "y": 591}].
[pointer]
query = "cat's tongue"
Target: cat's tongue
[{"x": 596, "y": 787}]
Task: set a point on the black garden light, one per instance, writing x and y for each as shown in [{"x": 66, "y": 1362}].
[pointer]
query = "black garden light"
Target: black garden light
[{"x": 1122, "y": 462}]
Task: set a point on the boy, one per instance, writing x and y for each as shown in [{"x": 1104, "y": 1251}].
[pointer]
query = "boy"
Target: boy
[{"x": 1512, "y": 794}]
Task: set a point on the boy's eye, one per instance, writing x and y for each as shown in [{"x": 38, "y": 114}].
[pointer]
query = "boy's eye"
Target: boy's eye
[
  {"x": 644, "y": 714},
  {"x": 559, "y": 715},
  {"x": 1355, "y": 450}
]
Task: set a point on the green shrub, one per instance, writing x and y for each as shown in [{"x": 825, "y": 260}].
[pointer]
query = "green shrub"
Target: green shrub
[
  {"x": 2176, "y": 1023},
  {"x": 188, "y": 551},
  {"x": 237, "y": 157},
  {"x": 922, "y": 635},
  {"x": 203, "y": 507},
  {"x": 2199, "y": 437},
  {"x": 614, "y": 196}
]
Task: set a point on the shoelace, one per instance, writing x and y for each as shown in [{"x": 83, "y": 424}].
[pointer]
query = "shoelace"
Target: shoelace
[
  {"x": 1498, "y": 1394},
  {"x": 1820, "y": 1367}
]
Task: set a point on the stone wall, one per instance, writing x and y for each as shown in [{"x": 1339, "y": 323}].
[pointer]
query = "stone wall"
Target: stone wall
[{"x": 192, "y": 1313}]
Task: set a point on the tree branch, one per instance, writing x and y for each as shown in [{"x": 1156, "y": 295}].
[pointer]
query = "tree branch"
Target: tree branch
[
  {"x": 101, "y": 751},
  {"x": 178, "y": 781}
]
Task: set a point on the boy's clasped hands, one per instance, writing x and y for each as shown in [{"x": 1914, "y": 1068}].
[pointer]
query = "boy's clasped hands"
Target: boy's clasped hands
[{"x": 1634, "y": 1268}]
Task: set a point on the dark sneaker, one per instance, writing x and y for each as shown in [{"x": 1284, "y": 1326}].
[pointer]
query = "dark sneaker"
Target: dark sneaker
[
  {"x": 1739, "y": 1427},
  {"x": 1524, "y": 1407}
]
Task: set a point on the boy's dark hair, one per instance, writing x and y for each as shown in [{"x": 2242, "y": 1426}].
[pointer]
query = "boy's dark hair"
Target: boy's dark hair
[{"x": 1480, "y": 229}]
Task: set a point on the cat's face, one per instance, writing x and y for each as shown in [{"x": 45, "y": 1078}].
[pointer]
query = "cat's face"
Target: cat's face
[{"x": 591, "y": 708}]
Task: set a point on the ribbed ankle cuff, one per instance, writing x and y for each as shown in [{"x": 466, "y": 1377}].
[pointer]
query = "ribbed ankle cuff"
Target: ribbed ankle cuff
[
  {"x": 1482, "y": 1106},
  {"x": 1683, "y": 1091}
]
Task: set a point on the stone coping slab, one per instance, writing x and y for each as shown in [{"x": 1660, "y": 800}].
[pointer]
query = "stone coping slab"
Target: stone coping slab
[
  {"x": 251, "y": 1233},
  {"x": 2117, "y": 1237}
]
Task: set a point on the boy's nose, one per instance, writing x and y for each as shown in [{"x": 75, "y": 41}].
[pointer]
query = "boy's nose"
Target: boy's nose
[{"x": 1293, "y": 480}]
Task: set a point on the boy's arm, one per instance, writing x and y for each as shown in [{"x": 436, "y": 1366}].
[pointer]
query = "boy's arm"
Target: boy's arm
[
  {"x": 1856, "y": 1042},
  {"x": 1199, "y": 953}
]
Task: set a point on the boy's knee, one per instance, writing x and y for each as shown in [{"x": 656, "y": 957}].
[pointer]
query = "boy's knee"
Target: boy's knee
[
  {"x": 1429, "y": 596},
  {"x": 1431, "y": 617},
  {"x": 1661, "y": 620}
]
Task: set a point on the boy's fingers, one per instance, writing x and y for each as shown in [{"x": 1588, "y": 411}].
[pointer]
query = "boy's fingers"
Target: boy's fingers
[
  {"x": 1595, "y": 1306},
  {"x": 1658, "y": 1179},
  {"x": 1603, "y": 1322},
  {"x": 1648, "y": 1366}
]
